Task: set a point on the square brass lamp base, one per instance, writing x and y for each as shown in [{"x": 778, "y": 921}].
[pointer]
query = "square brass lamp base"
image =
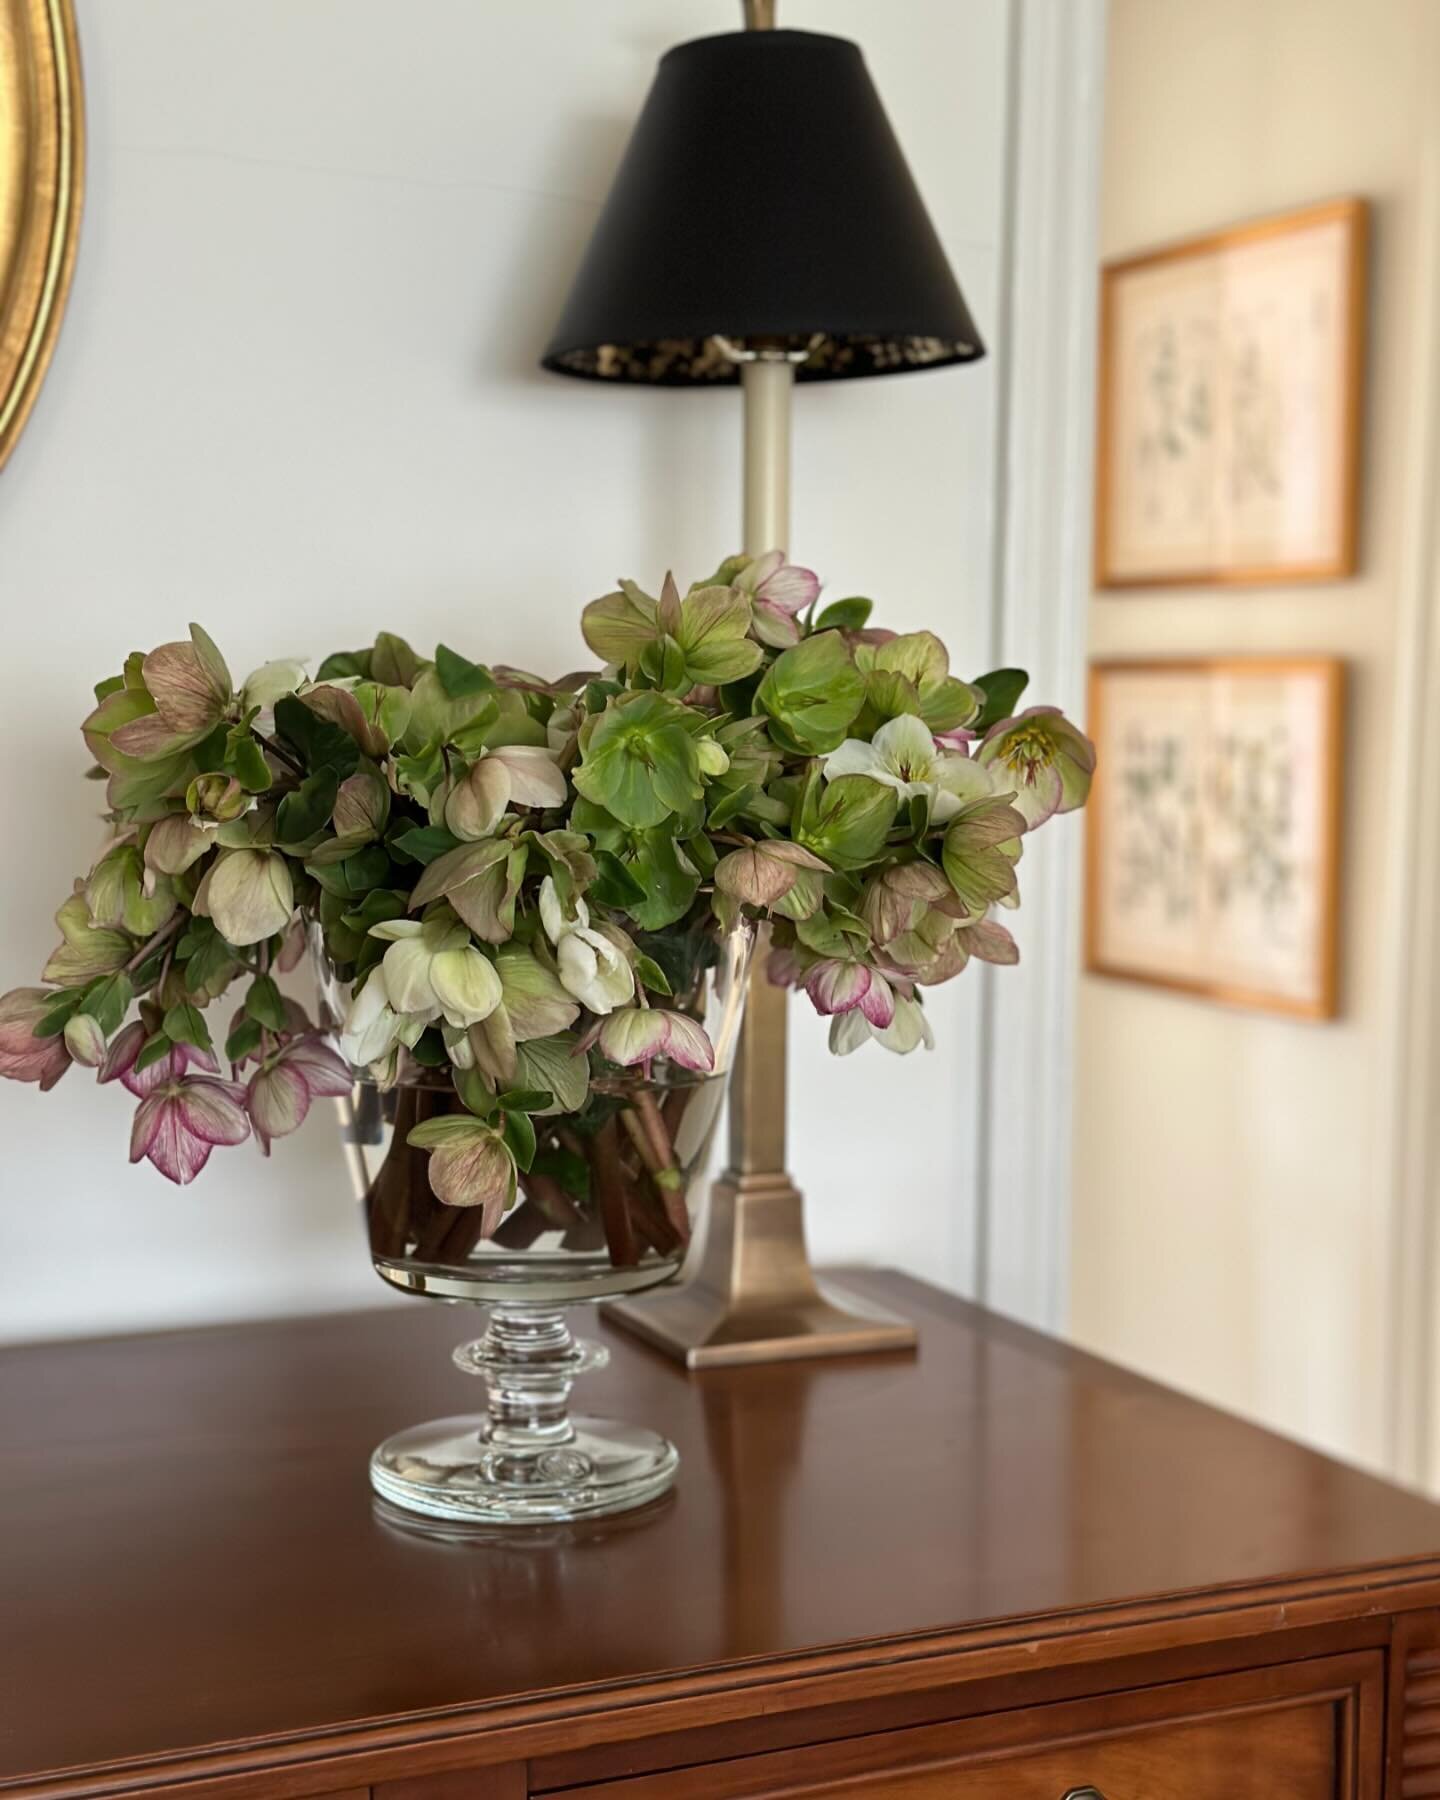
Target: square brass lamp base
[{"x": 748, "y": 1293}]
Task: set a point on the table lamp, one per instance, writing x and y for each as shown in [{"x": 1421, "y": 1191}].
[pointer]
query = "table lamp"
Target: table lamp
[{"x": 763, "y": 228}]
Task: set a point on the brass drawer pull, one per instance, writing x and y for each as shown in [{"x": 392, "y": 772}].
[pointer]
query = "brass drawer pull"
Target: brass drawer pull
[{"x": 1083, "y": 1793}]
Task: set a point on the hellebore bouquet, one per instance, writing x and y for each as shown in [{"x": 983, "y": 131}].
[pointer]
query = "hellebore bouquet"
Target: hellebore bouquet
[{"x": 514, "y": 878}]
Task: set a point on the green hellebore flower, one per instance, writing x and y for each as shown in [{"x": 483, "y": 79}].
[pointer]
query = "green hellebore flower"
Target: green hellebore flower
[{"x": 87, "y": 950}]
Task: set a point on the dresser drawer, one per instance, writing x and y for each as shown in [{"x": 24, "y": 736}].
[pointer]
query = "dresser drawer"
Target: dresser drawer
[{"x": 1306, "y": 1731}]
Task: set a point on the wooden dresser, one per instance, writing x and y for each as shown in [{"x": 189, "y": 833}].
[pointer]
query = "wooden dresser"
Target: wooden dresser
[{"x": 1002, "y": 1570}]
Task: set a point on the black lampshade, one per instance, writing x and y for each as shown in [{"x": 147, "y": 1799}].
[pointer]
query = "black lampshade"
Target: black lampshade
[{"x": 762, "y": 196}]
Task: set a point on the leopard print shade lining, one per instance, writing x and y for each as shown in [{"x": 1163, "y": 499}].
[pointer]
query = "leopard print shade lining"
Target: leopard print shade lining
[{"x": 675, "y": 362}]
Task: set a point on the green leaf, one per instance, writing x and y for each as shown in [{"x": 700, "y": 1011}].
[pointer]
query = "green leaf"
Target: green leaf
[
  {"x": 519, "y": 1135},
  {"x": 730, "y": 805},
  {"x": 108, "y": 1000},
  {"x": 564, "y": 1166},
  {"x": 526, "y": 1100},
  {"x": 474, "y": 1092},
  {"x": 353, "y": 878},
  {"x": 242, "y": 1040},
  {"x": 345, "y": 665},
  {"x": 614, "y": 885},
  {"x": 305, "y": 812},
  {"x": 114, "y": 684},
  {"x": 650, "y": 975},
  {"x": 318, "y": 744},
  {"x": 1001, "y": 690},
  {"x": 845, "y": 615},
  {"x": 459, "y": 677},
  {"x": 423, "y": 843},
  {"x": 155, "y": 1046},
  {"x": 393, "y": 662},
  {"x": 265, "y": 1005},
  {"x": 430, "y": 1051},
  {"x": 814, "y": 691},
  {"x": 184, "y": 1024},
  {"x": 245, "y": 760},
  {"x": 52, "y": 1022},
  {"x": 377, "y": 906}
]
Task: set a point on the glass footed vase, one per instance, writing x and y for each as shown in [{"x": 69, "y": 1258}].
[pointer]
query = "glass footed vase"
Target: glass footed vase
[{"x": 605, "y": 1210}]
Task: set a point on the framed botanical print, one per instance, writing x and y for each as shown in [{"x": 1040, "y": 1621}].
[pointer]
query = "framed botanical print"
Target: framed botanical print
[
  {"x": 1230, "y": 402},
  {"x": 41, "y": 176},
  {"x": 1213, "y": 828}
]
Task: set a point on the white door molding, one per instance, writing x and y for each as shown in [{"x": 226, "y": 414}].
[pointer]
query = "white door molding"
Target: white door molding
[{"x": 1045, "y": 344}]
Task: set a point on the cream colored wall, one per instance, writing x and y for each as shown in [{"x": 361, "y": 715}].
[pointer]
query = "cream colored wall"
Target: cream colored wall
[{"x": 1233, "y": 1214}]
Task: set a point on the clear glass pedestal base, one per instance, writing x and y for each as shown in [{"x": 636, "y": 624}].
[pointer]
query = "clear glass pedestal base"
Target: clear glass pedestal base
[{"x": 525, "y": 1460}]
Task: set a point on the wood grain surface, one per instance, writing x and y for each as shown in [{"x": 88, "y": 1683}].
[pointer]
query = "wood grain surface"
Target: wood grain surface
[{"x": 195, "y": 1583}]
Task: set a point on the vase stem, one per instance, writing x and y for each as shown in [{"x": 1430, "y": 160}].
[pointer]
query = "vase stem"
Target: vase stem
[{"x": 529, "y": 1362}]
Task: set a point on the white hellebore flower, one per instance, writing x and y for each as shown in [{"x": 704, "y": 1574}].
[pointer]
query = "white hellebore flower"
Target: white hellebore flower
[
  {"x": 908, "y": 1030},
  {"x": 433, "y": 971},
  {"x": 373, "y": 1026},
  {"x": 594, "y": 971},
  {"x": 904, "y": 755},
  {"x": 591, "y": 968}
]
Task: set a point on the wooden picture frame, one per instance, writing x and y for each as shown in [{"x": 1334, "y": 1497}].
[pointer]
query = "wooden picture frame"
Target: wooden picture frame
[
  {"x": 1229, "y": 407},
  {"x": 42, "y": 162},
  {"x": 1213, "y": 828}
]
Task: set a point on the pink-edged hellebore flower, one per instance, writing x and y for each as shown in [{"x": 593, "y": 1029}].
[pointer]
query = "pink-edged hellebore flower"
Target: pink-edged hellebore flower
[
  {"x": 778, "y": 591},
  {"x": 23, "y": 1056},
  {"x": 1045, "y": 760},
  {"x": 838, "y": 986},
  {"x": 639, "y": 1034},
  {"x": 120, "y": 1058},
  {"x": 180, "y": 1121},
  {"x": 281, "y": 1089},
  {"x": 470, "y": 1165}
]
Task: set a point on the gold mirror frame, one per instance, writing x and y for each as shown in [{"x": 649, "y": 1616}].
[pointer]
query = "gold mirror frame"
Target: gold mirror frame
[{"x": 42, "y": 166}]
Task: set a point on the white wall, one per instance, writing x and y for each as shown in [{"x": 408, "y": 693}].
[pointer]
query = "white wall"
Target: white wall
[
  {"x": 296, "y": 397},
  {"x": 1235, "y": 1220}
]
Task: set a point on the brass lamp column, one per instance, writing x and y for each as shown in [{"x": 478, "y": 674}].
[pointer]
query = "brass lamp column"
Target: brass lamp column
[{"x": 763, "y": 227}]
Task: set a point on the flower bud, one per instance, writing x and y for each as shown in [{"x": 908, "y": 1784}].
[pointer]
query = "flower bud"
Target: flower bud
[
  {"x": 219, "y": 798},
  {"x": 362, "y": 806},
  {"x": 465, "y": 985},
  {"x": 477, "y": 801},
  {"x": 85, "y": 1040}
]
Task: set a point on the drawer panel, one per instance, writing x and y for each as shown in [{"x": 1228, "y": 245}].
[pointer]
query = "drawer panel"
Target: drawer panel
[{"x": 1304, "y": 1731}]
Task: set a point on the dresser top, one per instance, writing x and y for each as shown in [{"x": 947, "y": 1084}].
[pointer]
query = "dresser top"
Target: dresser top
[{"x": 191, "y": 1563}]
